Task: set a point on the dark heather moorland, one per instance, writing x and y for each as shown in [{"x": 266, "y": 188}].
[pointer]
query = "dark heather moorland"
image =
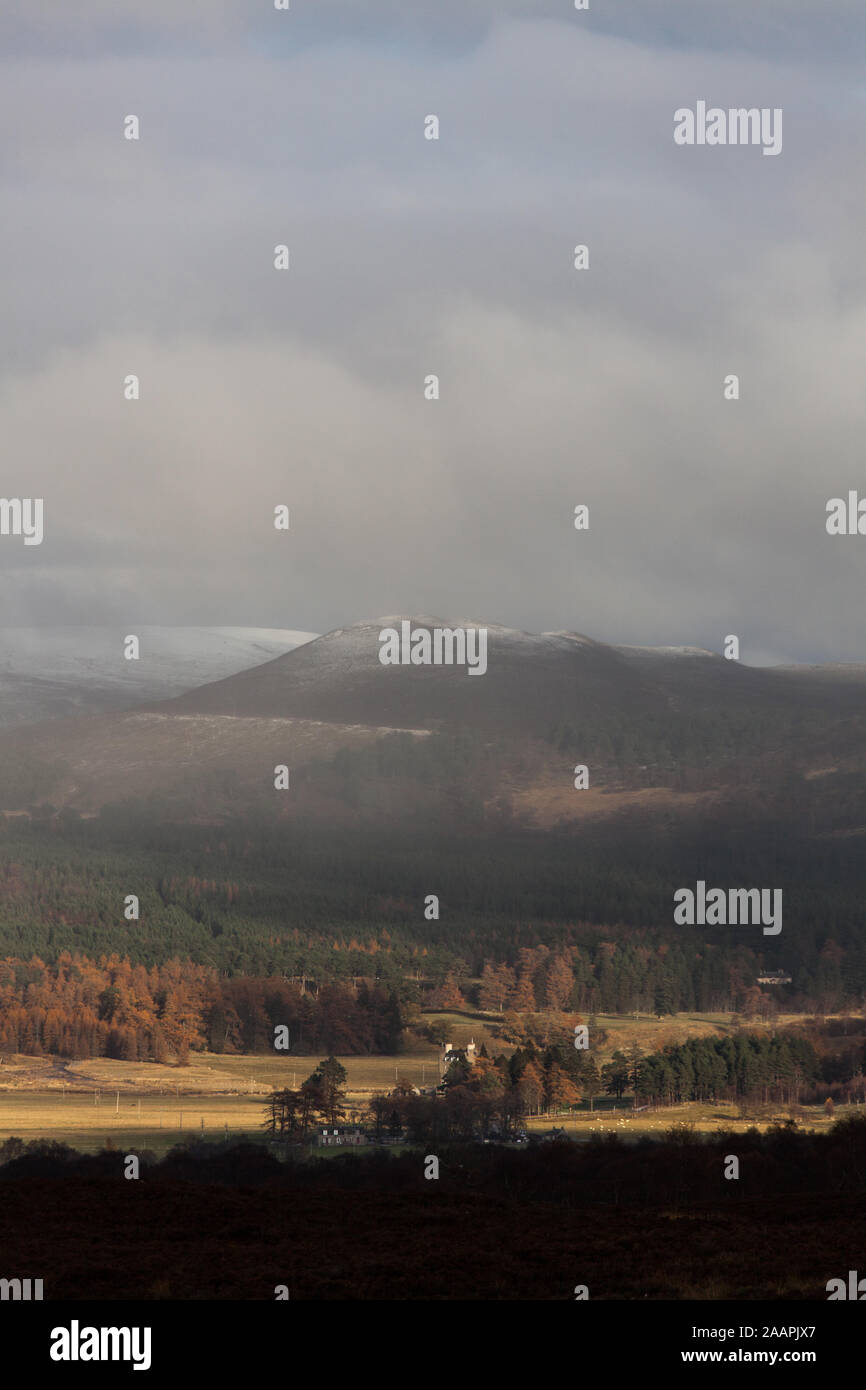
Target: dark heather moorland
[{"x": 630, "y": 1222}]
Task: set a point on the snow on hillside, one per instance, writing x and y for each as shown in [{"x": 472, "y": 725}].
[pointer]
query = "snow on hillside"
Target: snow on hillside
[
  {"x": 357, "y": 645},
  {"x": 57, "y": 672},
  {"x": 663, "y": 651},
  {"x": 363, "y": 636}
]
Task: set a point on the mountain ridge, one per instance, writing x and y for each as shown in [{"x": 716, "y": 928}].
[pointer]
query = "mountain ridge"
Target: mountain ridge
[{"x": 680, "y": 720}]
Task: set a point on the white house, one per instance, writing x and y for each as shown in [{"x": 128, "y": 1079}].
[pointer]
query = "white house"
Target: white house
[{"x": 452, "y": 1053}]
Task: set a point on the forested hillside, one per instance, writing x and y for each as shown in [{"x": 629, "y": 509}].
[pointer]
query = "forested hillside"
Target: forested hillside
[{"x": 541, "y": 920}]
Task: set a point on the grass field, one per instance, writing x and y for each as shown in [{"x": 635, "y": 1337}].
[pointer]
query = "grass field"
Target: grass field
[
  {"x": 210, "y": 1073},
  {"x": 146, "y": 1105},
  {"x": 703, "y": 1118},
  {"x": 157, "y": 1122},
  {"x": 143, "y": 1105},
  {"x": 147, "y": 1122}
]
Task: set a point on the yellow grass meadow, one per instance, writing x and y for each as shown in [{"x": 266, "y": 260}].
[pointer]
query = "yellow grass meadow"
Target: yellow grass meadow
[{"x": 146, "y": 1105}]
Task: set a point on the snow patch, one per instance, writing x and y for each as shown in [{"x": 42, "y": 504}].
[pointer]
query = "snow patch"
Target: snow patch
[
  {"x": 57, "y": 672},
  {"x": 663, "y": 651}
]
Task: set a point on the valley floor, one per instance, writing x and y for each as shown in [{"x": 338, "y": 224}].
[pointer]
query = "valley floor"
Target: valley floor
[
  {"x": 87, "y": 1103},
  {"x": 117, "y": 1114}
]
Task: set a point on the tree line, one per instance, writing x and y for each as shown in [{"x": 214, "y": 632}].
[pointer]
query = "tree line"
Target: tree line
[
  {"x": 777, "y": 1067},
  {"x": 224, "y": 897},
  {"x": 110, "y": 1007}
]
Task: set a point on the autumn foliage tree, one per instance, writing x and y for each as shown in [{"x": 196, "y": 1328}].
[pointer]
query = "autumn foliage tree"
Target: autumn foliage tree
[
  {"x": 108, "y": 1007},
  {"x": 559, "y": 983}
]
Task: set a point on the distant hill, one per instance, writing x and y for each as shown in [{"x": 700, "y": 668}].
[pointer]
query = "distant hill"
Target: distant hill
[
  {"x": 60, "y": 672},
  {"x": 654, "y": 726},
  {"x": 531, "y": 682}
]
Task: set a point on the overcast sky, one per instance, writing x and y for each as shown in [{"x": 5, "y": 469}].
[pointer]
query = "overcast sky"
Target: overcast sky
[{"x": 454, "y": 257}]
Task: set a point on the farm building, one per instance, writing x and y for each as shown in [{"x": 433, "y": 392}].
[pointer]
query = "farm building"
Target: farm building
[{"x": 341, "y": 1135}]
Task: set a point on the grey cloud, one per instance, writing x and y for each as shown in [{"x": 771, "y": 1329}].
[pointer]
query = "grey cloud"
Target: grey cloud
[
  {"x": 829, "y": 32},
  {"x": 410, "y": 257}
]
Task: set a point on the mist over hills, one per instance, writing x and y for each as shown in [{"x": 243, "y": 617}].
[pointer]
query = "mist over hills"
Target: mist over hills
[
  {"x": 653, "y": 726},
  {"x": 60, "y": 672},
  {"x": 532, "y": 679},
  {"x": 408, "y": 780}
]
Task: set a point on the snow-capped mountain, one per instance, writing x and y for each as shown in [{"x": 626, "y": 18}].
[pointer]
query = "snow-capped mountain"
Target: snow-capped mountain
[{"x": 531, "y": 679}]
